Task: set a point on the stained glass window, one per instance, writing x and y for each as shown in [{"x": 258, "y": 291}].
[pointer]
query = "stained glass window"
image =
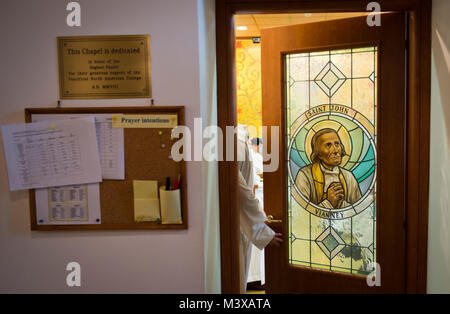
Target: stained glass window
[{"x": 331, "y": 142}]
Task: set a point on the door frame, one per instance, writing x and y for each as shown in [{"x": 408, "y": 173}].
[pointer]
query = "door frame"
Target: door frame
[{"x": 417, "y": 133}]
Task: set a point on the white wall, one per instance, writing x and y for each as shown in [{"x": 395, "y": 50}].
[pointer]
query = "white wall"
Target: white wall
[
  {"x": 111, "y": 261},
  {"x": 210, "y": 170},
  {"x": 439, "y": 202}
]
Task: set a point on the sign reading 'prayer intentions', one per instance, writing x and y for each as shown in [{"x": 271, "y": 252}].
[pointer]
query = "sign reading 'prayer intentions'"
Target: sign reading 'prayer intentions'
[{"x": 104, "y": 67}]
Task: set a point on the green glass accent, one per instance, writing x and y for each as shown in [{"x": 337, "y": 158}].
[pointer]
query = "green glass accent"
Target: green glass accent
[
  {"x": 357, "y": 141},
  {"x": 304, "y": 157},
  {"x": 298, "y": 140},
  {"x": 362, "y": 169},
  {"x": 365, "y": 49},
  {"x": 309, "y": 125},
  {"x": 370, "y": 154},
  {"x": 342, "y": 51},
  {"x": 367, "y": 174},
  {"x": 346, "y": 123},
  {"x": 330, "y": 79},
  {"x": 366, "y": 145},
  {"x": 330, "y": 242},
  {"x": 319, "y": 53}
]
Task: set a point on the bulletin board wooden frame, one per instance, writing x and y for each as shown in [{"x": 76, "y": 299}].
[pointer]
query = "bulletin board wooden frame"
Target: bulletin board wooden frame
[{"x": 145, "y": 159}]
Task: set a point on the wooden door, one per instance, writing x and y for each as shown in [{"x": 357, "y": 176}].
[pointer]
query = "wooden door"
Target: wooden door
[{"x": 336, "y": 90}]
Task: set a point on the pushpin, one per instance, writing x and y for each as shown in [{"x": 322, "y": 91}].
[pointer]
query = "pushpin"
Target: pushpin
[
  {"x": 41, "y": 221},
  {"x": 160, "y": 139},
  {"x": 158, "y": 220},
  {"x": 171, "y": 137},
  {"x": 97, "y": 220},
  {"x": 52, "y": 127}
]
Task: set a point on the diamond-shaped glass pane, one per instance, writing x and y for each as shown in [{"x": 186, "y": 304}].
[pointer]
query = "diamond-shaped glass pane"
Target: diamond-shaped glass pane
[
  {"x": 330, "y": 79},
  {"x": 330, "y": 242}
]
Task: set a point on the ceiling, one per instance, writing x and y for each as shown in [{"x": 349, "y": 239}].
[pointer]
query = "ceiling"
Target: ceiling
[{"x": 255, "y": 22}]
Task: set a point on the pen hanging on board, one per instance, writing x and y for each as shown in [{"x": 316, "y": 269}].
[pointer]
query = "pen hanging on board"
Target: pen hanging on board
[
  {"x": 167, "y": 183},
  {"x": 176, "y": 182}
]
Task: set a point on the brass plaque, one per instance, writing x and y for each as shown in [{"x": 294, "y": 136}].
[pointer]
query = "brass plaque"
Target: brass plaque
[{"x": 104, "y": 67}]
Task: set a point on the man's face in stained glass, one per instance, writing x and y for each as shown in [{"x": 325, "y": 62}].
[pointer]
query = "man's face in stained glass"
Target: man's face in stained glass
[{"x": 330, "y": 149}]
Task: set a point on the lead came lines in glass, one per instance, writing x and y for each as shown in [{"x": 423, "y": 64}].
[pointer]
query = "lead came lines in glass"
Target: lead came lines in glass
[{"x": 329, "y": 80}]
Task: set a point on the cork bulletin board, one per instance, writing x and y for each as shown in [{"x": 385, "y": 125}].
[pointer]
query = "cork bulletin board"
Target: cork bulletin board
[{"x": 145, "y": 159}]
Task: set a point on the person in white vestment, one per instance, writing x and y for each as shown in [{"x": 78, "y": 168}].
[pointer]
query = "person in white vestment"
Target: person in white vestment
[
  {"x": 252, "y": 217},
  {"x": 256, "y": 276}
]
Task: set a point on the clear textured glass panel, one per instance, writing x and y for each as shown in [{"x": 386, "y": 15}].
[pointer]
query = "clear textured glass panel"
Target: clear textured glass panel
[
  {"x": 343, "y": 62},
  {"x": 356, "y": 50},
  {"x": 299, "y": 68},
  {"x": 331, "y": 142},
  {"x": 342, "y": 51},
  {"x": 319, "y": 53},
  {"x": 317, "y": 64},
  {"x": 363, "y": 64}
]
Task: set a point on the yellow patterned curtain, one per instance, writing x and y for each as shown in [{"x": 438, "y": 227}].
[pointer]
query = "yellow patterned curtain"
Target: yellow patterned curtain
[{"x": 248, "y": 85}]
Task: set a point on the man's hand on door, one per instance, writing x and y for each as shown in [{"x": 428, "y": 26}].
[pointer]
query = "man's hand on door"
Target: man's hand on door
[{"x": 277, "y": 240}]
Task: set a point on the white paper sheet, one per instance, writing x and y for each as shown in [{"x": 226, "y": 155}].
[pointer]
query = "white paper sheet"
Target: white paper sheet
[
  {"x": 73, "y": 205},
  {"x": 110, "y": 142},
  {"x": 111, "y": 145},
  {"x": 51, "y": 153},
  {"x": 111, "y": 152}
]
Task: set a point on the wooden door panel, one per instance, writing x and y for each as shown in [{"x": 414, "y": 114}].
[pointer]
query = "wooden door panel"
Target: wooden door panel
[{"x": 389, "y": 40}]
